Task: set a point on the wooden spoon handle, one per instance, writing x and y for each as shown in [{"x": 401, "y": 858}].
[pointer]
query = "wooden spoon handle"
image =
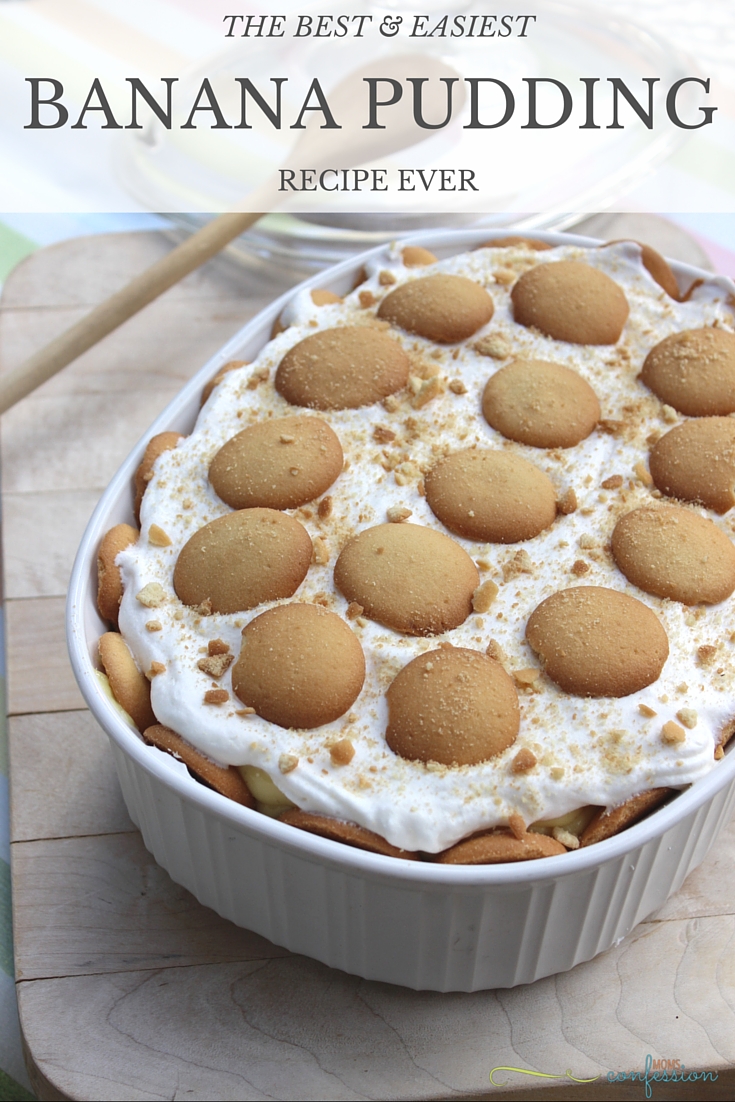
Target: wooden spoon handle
[{"x": 151, "y": 283}]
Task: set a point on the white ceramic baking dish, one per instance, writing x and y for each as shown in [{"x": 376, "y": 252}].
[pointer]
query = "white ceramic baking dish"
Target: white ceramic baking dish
[{"x": 438, "y": 927}]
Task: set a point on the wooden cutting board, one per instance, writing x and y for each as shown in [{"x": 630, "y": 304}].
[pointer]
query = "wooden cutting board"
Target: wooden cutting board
[{"x": 127, "y": 987}]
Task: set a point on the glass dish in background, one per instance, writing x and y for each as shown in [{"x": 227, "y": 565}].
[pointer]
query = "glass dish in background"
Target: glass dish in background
[
  {"x": 293, "y": 252},
  {"x": 187, "y": 173}
]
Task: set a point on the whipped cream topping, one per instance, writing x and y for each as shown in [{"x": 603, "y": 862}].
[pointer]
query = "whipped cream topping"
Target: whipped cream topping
[{"x": 588, "y": 751}]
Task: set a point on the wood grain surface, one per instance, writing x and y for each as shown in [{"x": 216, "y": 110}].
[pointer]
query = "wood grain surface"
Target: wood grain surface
[{"x": 128, "y": 988}]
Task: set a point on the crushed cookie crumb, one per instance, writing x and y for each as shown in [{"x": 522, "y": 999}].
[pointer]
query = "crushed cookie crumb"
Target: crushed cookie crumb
[
  {"x": 435, "y": 767},
  {"x": 646, "y": 711},
  {"x": 383, "y": 435},
  {"x": 367, "y": 299},
  {"x": 527, "y": 678},
  {"x": 495, "y": 651},
  {"x": 354, "y": 610},
  {"x": 719, "y": 752},
  {"x": 258, "y": 377},
  {"x": 158, "y": 537},
  {"x": 287, "y": 763},
  {"x": 398, "y": 513},
  {"x": 428, "y": 390},
  {"x": 567, "y": 503},
  {"x": 205, "y": 608},
  {"x": 587, "y": 542},
  {"x": 457, "y": 386},
  {"x": 423, "y": 369},
  {"x": 705, "y": 654},
  {"x": 611, "y": 427},
  {"x": 672, "y": 734},
  {"x": 342, "y": 752},
  {"x": 386, "y": 278},
  {"x": 286, "y": 438},
  {"x": 154, "y": 625},
  {"x": 556, "y": 772},
  {"x": 504, "y": 276},
  {"x": 215, "y": 665},
  {"x": 688, "y": 717},
  {"x": 614, "y": 482},
  {"x": 580, "y": 567},
  {"x": 405, "y": 473},
  {"x": 320, "y": 552},
  {"x": 391, "y": 403},
  {"x": 520, "y": 563},
  {"x": 156, "y": 668},
  {"x": 669, "y": 414},
  {"x": 484, "y": 596},
  {"x": 642, "y": 473},
  {"x": 216, "y": 696},
  {"x": 517, "y": 825},
  {"x": 523, "y": 761},
  {"x": 325, "y": 507},
  {"x": 217, "y": 646},
  {"x": 152, "y": 595},
  {"x": 494, "y": 345},
  {"x": 245, "y": 712}
]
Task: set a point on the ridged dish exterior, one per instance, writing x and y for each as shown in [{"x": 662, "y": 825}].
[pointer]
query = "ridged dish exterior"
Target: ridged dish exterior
[
  {"x": 420, "y": 936},
  {"x": 423, "y": 926}
]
